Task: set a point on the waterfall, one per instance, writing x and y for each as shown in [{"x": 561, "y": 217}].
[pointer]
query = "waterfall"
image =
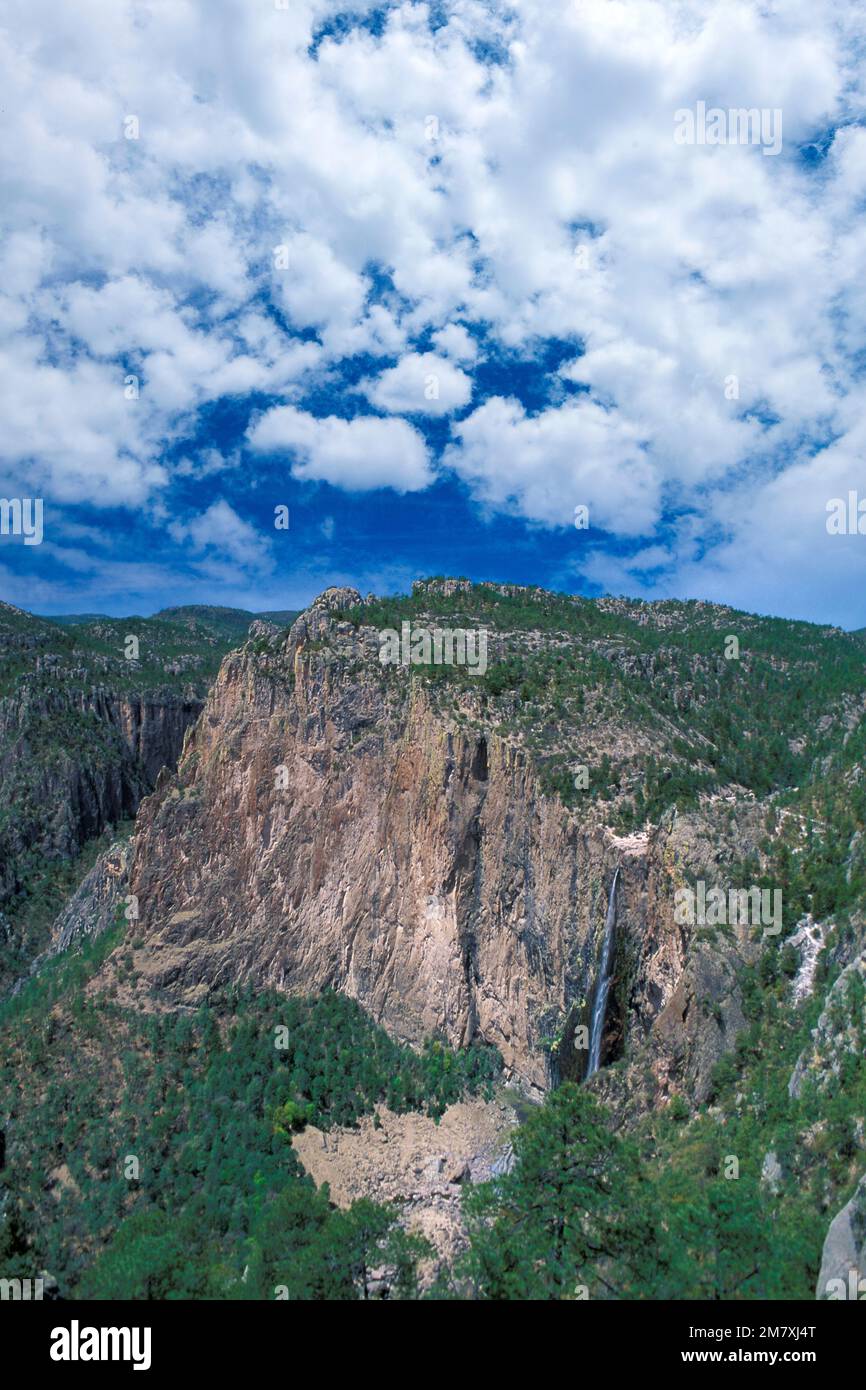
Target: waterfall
[{"x": 599, "y": 1007}]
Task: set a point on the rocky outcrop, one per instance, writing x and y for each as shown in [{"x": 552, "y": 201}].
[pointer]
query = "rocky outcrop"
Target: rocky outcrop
[
  {"x": 445, "y": 587},
  {"x": 772, "y": 1173},
  {"x": 843, "y": 1260},
  {"x": 331, "y": 825},
  {"x": 839, "y": 1032},
  {"x": 808, "y": 941},
  {"x": 95, "y": 904},
  {"x": 679, "y": 1005},
  {"x": 419, "y": 1164}
]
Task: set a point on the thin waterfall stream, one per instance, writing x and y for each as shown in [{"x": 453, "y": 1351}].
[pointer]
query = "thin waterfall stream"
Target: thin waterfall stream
[{"x": 605, "y": 975}]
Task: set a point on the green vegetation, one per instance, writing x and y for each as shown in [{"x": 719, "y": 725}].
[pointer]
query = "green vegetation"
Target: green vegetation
[
  {"x": 677, "y": 1210},
  {"x": 232, "y": 624},
  {"x": 70, "y": 696},
  {"x": 29, "y": 917},
  {"x": 229, "y": 623},
  {"x": 207, "y": 1103},
  {"x": 149, "y": 1155},
  {"x": 644, "y": 695},
  {"x": 72, "y": 693}
]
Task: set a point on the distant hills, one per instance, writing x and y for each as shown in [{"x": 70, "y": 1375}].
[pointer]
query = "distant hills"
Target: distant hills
[{"x": 224, "y": 622}]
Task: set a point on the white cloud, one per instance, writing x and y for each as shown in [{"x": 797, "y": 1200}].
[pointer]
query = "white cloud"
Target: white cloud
[
  {"x": 358, "y": 454},
  {"x": 420, "y": 384},
  {"x": 544, "y": 466},
  {"x": 220, "y": 533},
  {"x": 456, "y": 342},
  {"x": 696, "y": 265},
  {"x": 69, "y": 432},
  {"x": 315, "y": 287}
]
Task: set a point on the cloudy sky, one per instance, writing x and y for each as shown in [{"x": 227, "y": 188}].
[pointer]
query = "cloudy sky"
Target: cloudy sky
[{"x": 431, "y": 276}]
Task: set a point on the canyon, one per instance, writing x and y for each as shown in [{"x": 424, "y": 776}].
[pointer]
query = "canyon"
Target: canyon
[
  {"x": 312, "y": 824},
  {"x": 414, "y": 862}
]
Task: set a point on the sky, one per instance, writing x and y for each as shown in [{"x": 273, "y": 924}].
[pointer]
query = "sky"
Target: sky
[{"x": 432, "y": 277}]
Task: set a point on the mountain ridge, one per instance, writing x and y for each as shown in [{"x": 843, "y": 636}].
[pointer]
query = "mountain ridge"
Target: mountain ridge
[{"x": 414, "y": 838}]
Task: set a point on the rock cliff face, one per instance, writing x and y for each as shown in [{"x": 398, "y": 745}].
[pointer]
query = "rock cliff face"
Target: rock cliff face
[
  {"x": 154, "y": 729},
  {"x": 87, "y": 722},
  {"x": 330, "y": 826},
  {"x": 93, "y": 908},
  {"x": 82, "y": 780},
  {"x": 843, "y": 1260},
  {"x": 95, "y": 904}
]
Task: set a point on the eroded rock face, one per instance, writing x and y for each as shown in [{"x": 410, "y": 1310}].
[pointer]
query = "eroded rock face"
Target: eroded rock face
[
  {"x": 837, "y": 1032},
  {"x": 843, "y": 1260},
  {"x": 95, "y": 904},
  {"x": 410, "y": 865},
  {"x": 154, "y": 729},
  {"x": 91, "y": 776},
  {"x": 420, "y": 1164},
  {"x": 93, "y": 908},
  {"x": 330, "y": 827},
  {"x": 679, "y": 994}
]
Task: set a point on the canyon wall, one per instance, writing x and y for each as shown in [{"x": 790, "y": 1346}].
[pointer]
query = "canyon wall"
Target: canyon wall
[
  {"x": 74, "y": 761},
  {"x": 329, "y": 826}
]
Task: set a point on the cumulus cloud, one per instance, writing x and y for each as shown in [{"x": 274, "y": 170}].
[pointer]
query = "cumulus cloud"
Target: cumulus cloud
[
  {"x": 546, "y": 465},
  {"x": 315, "y": 287},
  {"x": 420, "y": 384},
  {"x": 297, "y": 195},
  {"x": 220, "y": 533},
  {"x": 456, "y": 342},
  {"x": 358, "y": 455},
  {"x": 69, "y": 431}
]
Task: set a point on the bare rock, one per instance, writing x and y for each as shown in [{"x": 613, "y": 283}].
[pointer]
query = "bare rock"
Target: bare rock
[
  {"x": 836, "y": 1033},
  {"x": 843, "y": 1261},
  {"x": 94, "y": 905},
  {"x": 371, "y": 843},
  {"x": 771, "y": 1172},
  {"x": 421, "y": 1169}
]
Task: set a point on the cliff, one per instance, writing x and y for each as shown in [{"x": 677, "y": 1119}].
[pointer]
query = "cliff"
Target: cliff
[
  {"x": 441, "y": 845},
  {"x": 73, "y": 763},
  {"x": 333, "y": 824},
  {"x": 89, "y": 713}
]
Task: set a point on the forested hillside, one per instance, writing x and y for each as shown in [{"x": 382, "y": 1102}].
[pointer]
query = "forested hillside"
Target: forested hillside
[{"x": 371, "y": 890}]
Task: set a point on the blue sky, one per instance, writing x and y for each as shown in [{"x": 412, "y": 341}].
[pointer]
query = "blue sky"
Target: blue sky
[{"x": 432, "y": 276}]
